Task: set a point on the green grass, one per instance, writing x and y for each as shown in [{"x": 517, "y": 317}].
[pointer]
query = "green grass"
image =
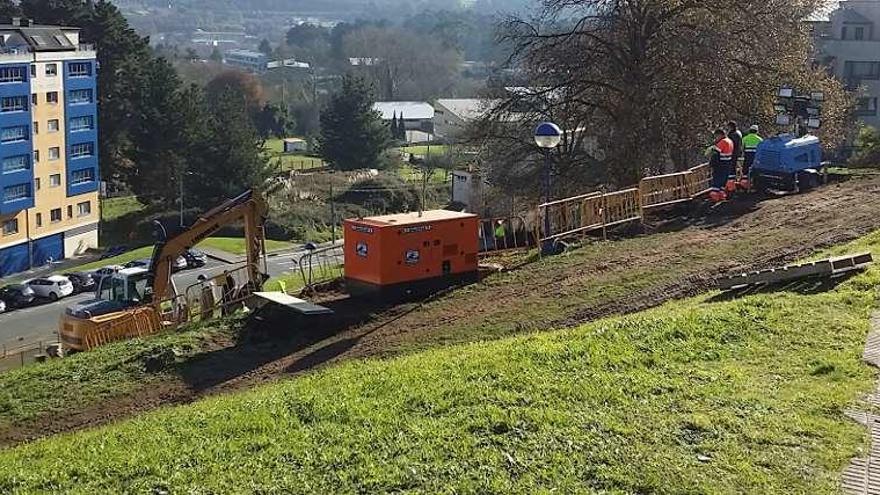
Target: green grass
[
  {"x": 112, "y": 370},
  {"x": 410, "y": 173},
  {"x": 113, "y": 208},
  {"x": 291, "y": 161},
  {"x": 696, "y": 396},
  {"x": 236, "y": 245},
  {"x": 435, "y": 149}
]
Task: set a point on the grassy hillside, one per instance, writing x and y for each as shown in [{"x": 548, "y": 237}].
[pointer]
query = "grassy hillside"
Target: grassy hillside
[{"x": 704, "y": 395}]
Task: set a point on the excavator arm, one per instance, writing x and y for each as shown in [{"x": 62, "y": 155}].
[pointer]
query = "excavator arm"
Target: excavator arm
[{"x": 249, "y": 207}]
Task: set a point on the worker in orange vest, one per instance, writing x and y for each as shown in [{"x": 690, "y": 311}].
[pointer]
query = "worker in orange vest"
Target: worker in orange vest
[{"x": 721, "y": 162}]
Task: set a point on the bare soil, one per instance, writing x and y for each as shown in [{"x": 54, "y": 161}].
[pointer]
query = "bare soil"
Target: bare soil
[{"x": 674, "y": 258}]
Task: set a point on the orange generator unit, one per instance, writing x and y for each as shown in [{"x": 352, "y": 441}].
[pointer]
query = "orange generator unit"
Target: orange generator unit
[{"x": 410, "y": 253}]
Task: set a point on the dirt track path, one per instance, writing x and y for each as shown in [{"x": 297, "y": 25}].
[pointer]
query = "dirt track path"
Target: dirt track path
[{"x": 680, "y": 258}]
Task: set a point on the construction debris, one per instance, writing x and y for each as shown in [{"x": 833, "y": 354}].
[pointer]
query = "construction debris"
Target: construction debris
[{"x": 831, "y": 267}]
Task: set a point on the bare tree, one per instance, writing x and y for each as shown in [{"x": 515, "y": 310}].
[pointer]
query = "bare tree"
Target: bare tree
[{"x": 649, "y": 79}]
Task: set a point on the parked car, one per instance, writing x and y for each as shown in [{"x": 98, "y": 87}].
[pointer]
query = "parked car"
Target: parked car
[
  {"x": 195, "y": 258},
  {"x": 2, "y": 306},
  {"x": 16, "y": 296},
  {"x": 82, "y": 281},
  {"x": 53, "y": 287},
  {"x": 141, "y": 263},
  {"x": 113, "y": 251}
]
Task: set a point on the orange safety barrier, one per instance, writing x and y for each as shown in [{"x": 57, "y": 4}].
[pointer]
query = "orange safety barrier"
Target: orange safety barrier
[{"x": 596, "y": 210}]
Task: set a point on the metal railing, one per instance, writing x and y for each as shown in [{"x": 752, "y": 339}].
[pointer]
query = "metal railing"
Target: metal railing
[
  {"x": 503, "y": 233},
  {"x": 321, "y": 265},
  {"x": 23, "y": 354}
]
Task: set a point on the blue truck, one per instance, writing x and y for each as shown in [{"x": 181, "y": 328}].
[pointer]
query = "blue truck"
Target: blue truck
[{"x": 787, "y": 163}]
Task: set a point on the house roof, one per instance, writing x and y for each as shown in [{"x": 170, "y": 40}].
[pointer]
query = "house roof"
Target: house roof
[
  {"x": 849, "y": 15},
  {"x": 36, "y": 38},
  {"x": 411, "y": 110},
  {"x": 467, "y": 108},
  {"x": 823, "y": 13}
]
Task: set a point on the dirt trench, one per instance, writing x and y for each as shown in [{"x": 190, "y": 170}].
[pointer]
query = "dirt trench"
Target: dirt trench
[{"x": 675, "y": 258}]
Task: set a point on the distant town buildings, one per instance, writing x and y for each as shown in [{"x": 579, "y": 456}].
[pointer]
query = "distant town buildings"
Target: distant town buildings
[
  {"x": 259, "y": 62},
  {"x": 48, "y": 146}
]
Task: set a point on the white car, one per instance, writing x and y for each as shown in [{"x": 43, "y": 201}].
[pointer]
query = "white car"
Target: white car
[
  {"x": 53, "y": 288},
  {"x": 2, "y": 306}
]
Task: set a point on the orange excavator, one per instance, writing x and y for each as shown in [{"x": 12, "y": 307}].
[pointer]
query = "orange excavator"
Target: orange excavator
[{"x": 140, "y": 301}]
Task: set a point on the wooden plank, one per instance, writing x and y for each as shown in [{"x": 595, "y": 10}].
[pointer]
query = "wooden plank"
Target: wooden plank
[
  {"x": 826, "y": 267},
  {"x": 294, "y": 303}
]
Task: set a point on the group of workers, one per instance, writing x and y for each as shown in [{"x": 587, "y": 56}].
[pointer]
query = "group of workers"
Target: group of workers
[{"x": 731, "y": 158}]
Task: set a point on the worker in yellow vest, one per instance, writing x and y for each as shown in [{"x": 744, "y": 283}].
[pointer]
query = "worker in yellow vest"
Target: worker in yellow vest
[{"x": 750, "y": 148}]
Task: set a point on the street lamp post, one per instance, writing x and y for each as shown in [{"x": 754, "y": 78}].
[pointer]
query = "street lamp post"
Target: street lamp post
[{"x": 547, "y": 136}]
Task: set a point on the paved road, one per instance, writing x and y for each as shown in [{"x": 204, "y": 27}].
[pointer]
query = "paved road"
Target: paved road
[{"x": 40, "y": 322}]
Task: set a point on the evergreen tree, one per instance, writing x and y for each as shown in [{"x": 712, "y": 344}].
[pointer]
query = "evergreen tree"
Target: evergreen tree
[
  {"x": 265, "y": 47},
  {"x": 9, "y": 9},
  {"x": 216, "y": 56},
  {"x": 273, "y": 120},
  {"x": 231, "y": 157},
  {"x": 353, "y": 135},
  {"x": 394, "y": 125},
  {"x": 401, "y": 128}
]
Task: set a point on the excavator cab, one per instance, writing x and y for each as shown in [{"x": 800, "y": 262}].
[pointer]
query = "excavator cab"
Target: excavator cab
[
  {"x": 140, "y": 301},
  {"x": 128, "y": 287}
]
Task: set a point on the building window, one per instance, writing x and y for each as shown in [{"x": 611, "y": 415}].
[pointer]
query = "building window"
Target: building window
[
  {"x": 16, "y": 192},
  {"x": 39, "y": 221},
  {"x": 82, "y": 176},
  {"x": 36, "y": 156},
  {"x": 33, "y": 99},
  {"x": 866, "y": 107},
  {"x": 55, "y": 215},
  {"x": 52, "y": 125},
  {"x": 13, "y": 104},
  {"x": 78, "y": 96},
  {"x": 52, "y": 97},
  {"x": 10, "y": 227},
  {"x": 861, "y": 70},
  {"x": 51, "y": 70},
  {"x": 15, "y": 163},
  {"x": 83, "y": 123},
  {"x": 54, "y": 153},
  {"x": 80, "y": 69},
  {"x": 37, "y": 184},
  {"x": 55, "y": 180},
  {"x": 14, "y": 134},
  {"x": 11, "y": 74},
  {"x": 62, "y": 40},
  {"x": 82, "y": 150},
  {"x": 859, "y": 33},
  {"x": 69, "y": 211},
  {"x": 84, "y": 209},
  {"x": 33, "y": 71},
  {"x": 36, "y": 128}
]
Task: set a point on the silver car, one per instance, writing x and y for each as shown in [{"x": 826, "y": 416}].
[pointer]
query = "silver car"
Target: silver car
[{"x": 53, "y": 288}]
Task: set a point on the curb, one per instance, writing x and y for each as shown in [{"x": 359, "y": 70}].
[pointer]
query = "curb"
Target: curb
[{"x": 862, "y": 475}]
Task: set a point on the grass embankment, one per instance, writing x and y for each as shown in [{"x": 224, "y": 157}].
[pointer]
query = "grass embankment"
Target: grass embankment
[
  {"x": 113, "y": 208},
  {"x": 291, "y": 161},
  {"x": 236, "y": 245},
  {"x": 700, "y": 395}
]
